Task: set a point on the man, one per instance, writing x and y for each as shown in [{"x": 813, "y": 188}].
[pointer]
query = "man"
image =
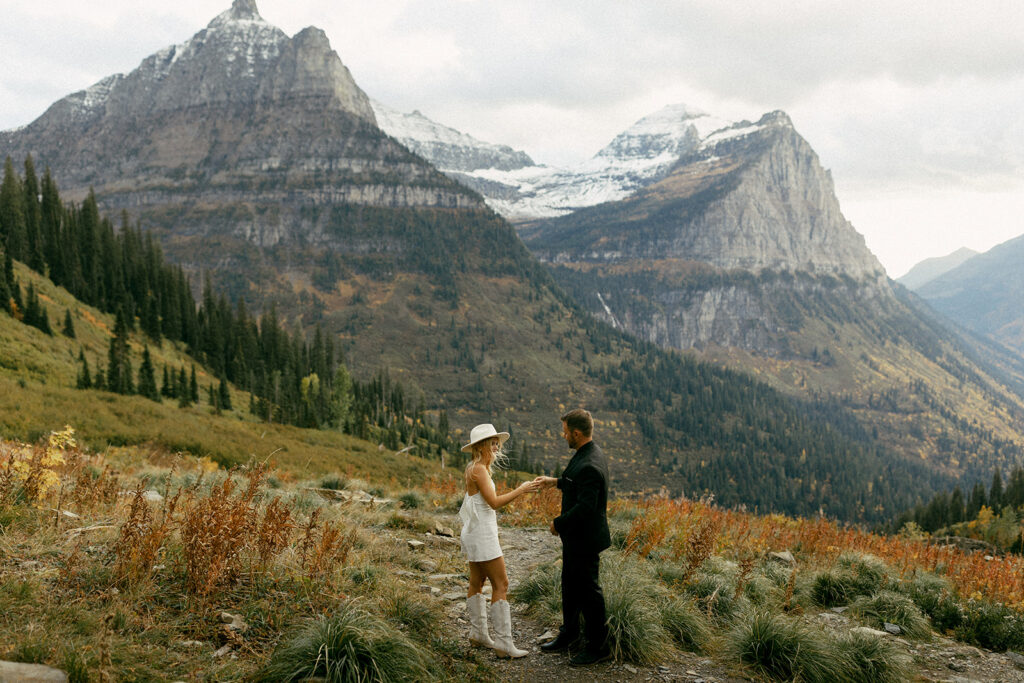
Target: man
[{"x": 583, "y": 528}]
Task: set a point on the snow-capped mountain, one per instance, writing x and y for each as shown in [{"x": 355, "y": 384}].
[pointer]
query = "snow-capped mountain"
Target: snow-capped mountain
[
  {"x": 521, "y": 190},
  {"x": 251, "y": 125},
  {"x": 447, "y": 148}
]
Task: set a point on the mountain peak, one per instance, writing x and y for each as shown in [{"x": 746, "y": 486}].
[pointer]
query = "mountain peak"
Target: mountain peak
[{"x": 241, "y": 10}]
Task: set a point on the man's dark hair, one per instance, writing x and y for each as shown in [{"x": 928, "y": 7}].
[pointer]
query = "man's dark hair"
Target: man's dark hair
[{"x": 579, "y": 420}]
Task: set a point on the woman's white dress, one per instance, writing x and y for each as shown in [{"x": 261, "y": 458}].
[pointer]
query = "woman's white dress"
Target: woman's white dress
[{"x": 479, "y": 529}]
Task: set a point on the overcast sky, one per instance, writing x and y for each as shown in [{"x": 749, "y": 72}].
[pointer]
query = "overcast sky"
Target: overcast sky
[{"x": 916, "y": 107}]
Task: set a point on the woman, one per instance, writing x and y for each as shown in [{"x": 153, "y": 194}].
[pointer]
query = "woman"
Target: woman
[{"x": 480, "y": 541}]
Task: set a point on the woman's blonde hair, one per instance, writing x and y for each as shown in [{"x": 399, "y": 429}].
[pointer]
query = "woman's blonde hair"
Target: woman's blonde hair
[{"x": 500, "y": 458}]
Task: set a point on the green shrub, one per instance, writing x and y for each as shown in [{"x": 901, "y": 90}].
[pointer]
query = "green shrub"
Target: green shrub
[
  {"x": 992, "y": 626},
  {"x": 891, "y": 607},
  {"x": 75, "y": 666},
  {"x": 761, "y": 590},
  {"x": 775, "y": 572},
  {"x": 685, "y": 623},
  {"x": 350, "y": 645},
  {"x": 541, "y": 591},
  {"x": 853, "y": 575},
  {"x": 335, "y": 483},
  {"x": 30, "y": 652},
  {"x": 934, "y": 595},
  {"x": 778, "y": 648},
  {"x": 831, "y": 588},
  {"x": 411, "y": 611},
  {"x": 867, "y": 573},
  {"x": 873, "y": 659},
  {"x": 366, "y": 575},
  {"x": 410, "y": 500},
  {"x": 716, "y": 594},
  {"x": 631, "y": 598}
]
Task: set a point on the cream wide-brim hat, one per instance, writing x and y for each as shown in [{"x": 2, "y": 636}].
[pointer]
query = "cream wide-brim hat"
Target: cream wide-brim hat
[{"x": 482, "y": 433}]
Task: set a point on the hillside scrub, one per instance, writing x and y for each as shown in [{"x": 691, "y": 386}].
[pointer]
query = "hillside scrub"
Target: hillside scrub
[{"x": 129, "y": 561}]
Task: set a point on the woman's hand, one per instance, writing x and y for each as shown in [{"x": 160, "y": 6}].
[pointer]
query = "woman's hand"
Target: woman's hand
[{"x": 531, "y": 486}]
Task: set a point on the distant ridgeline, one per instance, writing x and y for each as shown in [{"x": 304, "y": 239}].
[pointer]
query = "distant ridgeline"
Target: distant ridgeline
[
  {"x": 995, "y": 516},
  {"x": 124, "y": 273}
]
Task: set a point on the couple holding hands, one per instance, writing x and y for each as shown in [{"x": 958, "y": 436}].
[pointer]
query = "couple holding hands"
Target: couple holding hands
[{"x": 582, "y": 527}]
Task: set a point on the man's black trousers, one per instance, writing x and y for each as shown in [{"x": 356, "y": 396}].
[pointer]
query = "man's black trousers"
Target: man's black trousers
[{"x": 582, "y": 596}]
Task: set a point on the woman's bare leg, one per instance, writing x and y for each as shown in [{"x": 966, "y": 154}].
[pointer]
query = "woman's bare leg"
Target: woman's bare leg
[
  {"x": 495, "y": 572},
  {"x": 476, "y": 578}
]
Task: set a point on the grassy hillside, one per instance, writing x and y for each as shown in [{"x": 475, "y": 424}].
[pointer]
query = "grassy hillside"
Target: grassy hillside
[
  {"x": 37, "y": 395},
  {"x": 509, "y": 350}
]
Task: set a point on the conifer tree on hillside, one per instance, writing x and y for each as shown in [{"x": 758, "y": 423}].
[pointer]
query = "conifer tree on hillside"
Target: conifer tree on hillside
[
  {"x": 182, "y": 390},
  {"x": 224, "y": 395},
  {"x": 33, "y": 219},
  {"x": 68, "y": 329},
  {"x": 147, "y": 377},
  {"x": 84, "y": 378},
  {"x": 995, "y": 492},
  {"x": 167, "y": 387},
  {"x": 119, "y": 367},
  {"x": 12, "y": 212}
]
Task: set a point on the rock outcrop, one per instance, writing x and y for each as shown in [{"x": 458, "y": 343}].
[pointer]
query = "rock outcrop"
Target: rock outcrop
[{"x": 751, "y": 197}]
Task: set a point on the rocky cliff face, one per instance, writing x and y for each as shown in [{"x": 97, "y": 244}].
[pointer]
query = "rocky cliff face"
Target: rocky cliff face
[
  {"x": 240, "y": 114},
  {"x": 737, "y": 245},
  {"x": 751, "y": 197}
]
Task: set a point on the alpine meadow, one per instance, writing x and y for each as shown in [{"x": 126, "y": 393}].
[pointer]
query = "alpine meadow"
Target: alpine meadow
[{"x": 249, "y": 315}]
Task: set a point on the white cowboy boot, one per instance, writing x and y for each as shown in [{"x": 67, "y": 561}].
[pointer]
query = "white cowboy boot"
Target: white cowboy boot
[
  {"x": 476, "y": 606},
  {"x": 501, "y": 616}
]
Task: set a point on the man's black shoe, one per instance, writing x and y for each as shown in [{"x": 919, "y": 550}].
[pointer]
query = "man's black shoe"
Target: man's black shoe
[
  {"x": 588, "y": 657},
  {"x": 559, "y": 644}
]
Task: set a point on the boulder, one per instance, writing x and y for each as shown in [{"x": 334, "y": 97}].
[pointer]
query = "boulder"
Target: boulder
[
  {"x": 784, "y": 557},
  {"x": 17, "y": 672}
]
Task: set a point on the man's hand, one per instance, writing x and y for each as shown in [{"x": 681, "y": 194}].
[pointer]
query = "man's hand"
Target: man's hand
[
  {"x": 554, "y": 531},
  {"x": 546, "y": 482}
]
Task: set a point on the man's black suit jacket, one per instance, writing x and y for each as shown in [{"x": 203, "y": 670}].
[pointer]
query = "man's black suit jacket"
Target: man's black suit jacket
[{"x": 583, "y": 524}]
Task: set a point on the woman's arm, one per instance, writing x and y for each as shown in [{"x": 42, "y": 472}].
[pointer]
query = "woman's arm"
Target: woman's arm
[{"x": 483, "y": 481}]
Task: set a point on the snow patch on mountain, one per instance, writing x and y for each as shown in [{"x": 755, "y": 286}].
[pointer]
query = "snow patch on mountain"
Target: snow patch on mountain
[
  {"x": 639, "y": 156},
  {"x": 448, "y": 149}
]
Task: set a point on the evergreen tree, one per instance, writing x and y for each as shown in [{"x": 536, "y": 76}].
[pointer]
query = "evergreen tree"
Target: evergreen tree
[
  {"x": 147, "y": 377},
  {"x": 84, "y": 378},
  {"x": 119, "y": 368},
  {"x": 213, "y": 399},
  {"x": 224, "y": 394},
  {"x": 69, "y": 325},
  {"x": 956, "y": 507},
  {"x": 1014, "y": 495},
  {"x": 167, "y": 387},
  {"x": 975, "y": 501},
  {"x": 35, "y": 313},
  {"x": 182, "y": 389},
  {"x": 194, "y": 386},
  {"x": 12, "y": 212},
  {"x": 5, "y": 294},
  {"x": 51, "y": 218},
  {"x": 995, "y": 492},
  {"x": 33, "y": 235}
]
